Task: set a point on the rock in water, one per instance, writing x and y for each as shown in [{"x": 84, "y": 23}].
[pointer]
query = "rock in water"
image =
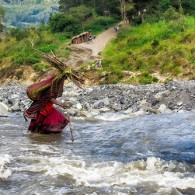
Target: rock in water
[{"x": 3, "y": 109}]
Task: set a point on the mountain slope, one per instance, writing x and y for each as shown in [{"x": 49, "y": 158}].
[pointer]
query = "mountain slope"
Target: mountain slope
[{"x": 25, "y": 13}]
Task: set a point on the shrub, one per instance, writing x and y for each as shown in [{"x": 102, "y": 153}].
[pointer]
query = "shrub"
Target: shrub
[
  {"x": 171, "y": 14},
  {"x": 40, "y": 66},
  {"x": 19, "y": 34},
  {"x": 176, "y": 19},
  {"x": 145, "y": 78},
  {"x": 47, "y": 47},
  {"x": 64, "y": 23}
]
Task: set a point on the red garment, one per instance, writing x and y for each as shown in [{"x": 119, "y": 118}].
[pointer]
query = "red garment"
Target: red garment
[
  {"x": 42, "y": 92},
  {"x": 48, "y": 120}
]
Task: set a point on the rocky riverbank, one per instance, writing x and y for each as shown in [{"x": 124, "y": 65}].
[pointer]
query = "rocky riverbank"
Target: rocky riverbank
[{"x": 122, "y": 98}]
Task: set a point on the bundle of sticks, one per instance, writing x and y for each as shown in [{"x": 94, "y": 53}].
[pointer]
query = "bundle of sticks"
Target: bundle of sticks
[{"x": 72, "y": 75}]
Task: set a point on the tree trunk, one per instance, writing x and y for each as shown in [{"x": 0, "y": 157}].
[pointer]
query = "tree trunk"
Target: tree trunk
[{"x": 142, "y": 17}]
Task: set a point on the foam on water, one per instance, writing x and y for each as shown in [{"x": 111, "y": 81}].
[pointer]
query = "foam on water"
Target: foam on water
[
  {"x": 104, "y": 117},
  {"x": 112, "y": 116},
  {"x": 5, "y": 171},
  {"x": 42, "y": 149},
  {"x": 162, "y": 174}
]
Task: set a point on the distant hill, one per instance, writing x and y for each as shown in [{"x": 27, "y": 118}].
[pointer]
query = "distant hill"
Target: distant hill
[{"x": 25, "y": 13}]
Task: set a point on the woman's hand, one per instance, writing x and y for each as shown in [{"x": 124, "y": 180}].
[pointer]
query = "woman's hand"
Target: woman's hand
[
  {"x": 66, "y": 104},
  {"x": 62, "y": 104}
]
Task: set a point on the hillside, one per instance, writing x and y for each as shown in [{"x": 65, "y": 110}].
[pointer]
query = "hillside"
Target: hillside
[
  {"x": 151, "y": 53},
  {"x": 26, "y": 13},
  {"x": 19, "y": 61}
]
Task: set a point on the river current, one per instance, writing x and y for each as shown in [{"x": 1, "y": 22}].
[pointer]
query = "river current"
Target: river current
[{"x": 152, "y": 154}]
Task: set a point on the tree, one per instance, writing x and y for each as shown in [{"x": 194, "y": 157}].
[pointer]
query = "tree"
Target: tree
[
  {"x": 124, "y": 7},
  {"x": 19, "y": 34},
  {"x": 188, "y": 6},
  {"x": 143, "y": 6},
  {"x": 99, "y": 6},
  {"x": 81, "y": 13},
  {"x": 61, "y": 22}
]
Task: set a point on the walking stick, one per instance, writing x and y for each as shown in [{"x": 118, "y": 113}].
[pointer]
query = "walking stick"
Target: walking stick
[{"x": 71, "y": 130}]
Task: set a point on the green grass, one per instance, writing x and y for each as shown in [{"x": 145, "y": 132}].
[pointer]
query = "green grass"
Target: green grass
[
  {"x": 16, "y": 50},
  {"x": 161, "y": 47},
  {"x": 15, "y": 53},
  {"x": 166, "y": 48}
]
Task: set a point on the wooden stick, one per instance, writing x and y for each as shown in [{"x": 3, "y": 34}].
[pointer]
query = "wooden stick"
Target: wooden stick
[{"x": 71, "y": 130}]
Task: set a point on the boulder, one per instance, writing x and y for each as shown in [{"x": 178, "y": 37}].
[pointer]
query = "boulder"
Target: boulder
[
  {"x": 159, "y": 96},
  {"x": 3, "y": 109},
  {"x": 15, "y": 107},
  {"x": 78, "y": 106},
  {"x": 94, "y": 112},
  {"x": 162, "y": 108},
  {"x": 101, "y": 103}
]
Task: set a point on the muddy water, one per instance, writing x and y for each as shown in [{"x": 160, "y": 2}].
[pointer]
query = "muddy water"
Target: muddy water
[{"x": 152, "y": 154}]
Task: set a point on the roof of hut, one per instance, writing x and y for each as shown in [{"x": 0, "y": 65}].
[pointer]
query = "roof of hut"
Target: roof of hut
[{"x": 77, "y": 36}]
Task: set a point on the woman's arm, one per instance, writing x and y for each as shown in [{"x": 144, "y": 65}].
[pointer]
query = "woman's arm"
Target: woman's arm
[{"x": 58, "y": 103}]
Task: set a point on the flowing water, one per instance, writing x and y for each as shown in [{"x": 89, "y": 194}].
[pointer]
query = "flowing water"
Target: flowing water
[{"x": 152, "y": 154}]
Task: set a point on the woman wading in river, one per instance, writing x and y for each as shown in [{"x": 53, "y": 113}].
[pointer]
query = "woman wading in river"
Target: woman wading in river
[{"x": 44, "y": 117}]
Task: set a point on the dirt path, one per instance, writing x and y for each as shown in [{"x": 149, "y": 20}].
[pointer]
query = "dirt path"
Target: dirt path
[
  {"x": 100, "y": 41},
  {"x": 84, "y": 52}
]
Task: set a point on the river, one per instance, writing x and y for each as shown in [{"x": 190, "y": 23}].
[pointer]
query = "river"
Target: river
[{"x": 151, "y": 154}]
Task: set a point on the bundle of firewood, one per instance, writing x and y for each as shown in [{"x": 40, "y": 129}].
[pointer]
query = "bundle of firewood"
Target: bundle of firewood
[{"x": 73, "y": 75}]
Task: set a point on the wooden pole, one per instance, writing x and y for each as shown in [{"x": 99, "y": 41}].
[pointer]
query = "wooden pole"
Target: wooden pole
[{"x": 71, "y": 130}]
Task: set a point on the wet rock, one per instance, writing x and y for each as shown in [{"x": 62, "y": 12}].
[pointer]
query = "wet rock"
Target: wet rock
[
  {"x": 179, "y": 103},
  {"x": 3, "y": 109},
  {"x": 159, "y": 96},
  {"x": 71, "y": 111},
  {"x": 101, "y": 103},
  {"x": 129, "y": 111},
  {"x": 115, "y": 107},
  {"x": 187, "y": 191},
  {"x": 102, "y": 110},
  {"x": 144, "y": 104},
  {"x": 188, "y": 107},
  {"x": 94, "y": 112},
  {"x": 79, "y": 106},
  {"x": 162, "y": 108},
  {"x": 122, "y": 100},
  {"x": 140, "y": 112},
  {"x": 84, "y": 113},
  {"x": 15, "y": 107}
]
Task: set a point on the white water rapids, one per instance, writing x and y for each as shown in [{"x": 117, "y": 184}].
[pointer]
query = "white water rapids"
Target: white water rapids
[{"x": 152, "y": 154}]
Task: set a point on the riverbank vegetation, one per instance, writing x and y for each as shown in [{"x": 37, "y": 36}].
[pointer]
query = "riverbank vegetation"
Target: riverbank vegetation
[
  {"x": 16, "y": 48},
  {"x": 151, "y": 52},
  {"x": 155, "y": 44}
]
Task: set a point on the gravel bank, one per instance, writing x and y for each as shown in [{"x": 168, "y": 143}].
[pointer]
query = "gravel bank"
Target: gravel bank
[{"x": 95, "y": 100}]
